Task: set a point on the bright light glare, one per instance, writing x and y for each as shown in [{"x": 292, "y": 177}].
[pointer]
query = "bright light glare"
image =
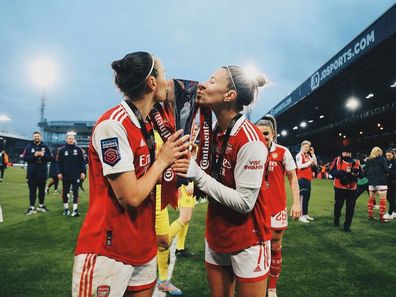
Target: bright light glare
[
  {"x": 303, "y": 124},
  {"x": 352, "y": 103},
  {"x": 284, "y": 133},
  {"x": 250, "y": 72},
  {"x": 321, "y": 117},
  {"x": 4, "y": 118},
  {"x": 393, "y": 85},
  {"x": 310, "y": 121},
  {"x": 43, "y": 72},
  {"x": 371, "y": 95},
  {"x": 295, "y": 128}
]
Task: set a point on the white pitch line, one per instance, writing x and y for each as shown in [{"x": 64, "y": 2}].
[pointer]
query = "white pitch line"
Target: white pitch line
[{"x": 172, "y": 262}]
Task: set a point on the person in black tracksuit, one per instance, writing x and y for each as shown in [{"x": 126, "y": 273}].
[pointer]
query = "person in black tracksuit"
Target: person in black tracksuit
[
  {"x": 71, "y": 169},
  {"x": 53, "y": 174},
  {"x": 391, "y": 193},
  {"x": 37, "y": 155}
]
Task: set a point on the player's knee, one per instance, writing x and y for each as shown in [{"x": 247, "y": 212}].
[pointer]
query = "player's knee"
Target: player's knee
[
  {"x": 276, "y": 245},
  {"x": 163, "y": 244}
]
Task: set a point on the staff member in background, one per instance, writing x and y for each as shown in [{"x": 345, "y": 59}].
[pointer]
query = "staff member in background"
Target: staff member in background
[
  {"x": 3, "y": 164},
  {"x": 53, "y": 174},
  {"x": 346, "y": 172},
  {"x": 391, "y": 193},
  {"x": 71, "y": 169},
  {"x": 37, "y": 155},
  {"x": 305, "y": 159}
]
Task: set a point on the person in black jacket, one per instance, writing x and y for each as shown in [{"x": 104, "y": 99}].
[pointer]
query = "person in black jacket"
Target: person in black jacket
[
  {"x": 346, "y": 172},
  {"x": 377, "y": 171},
  {"x": 391, "y": 193},
  {"x": 53, "y": 174},
  {"x": 37, "y": 155},
  {"x": 71, "y": 169}
]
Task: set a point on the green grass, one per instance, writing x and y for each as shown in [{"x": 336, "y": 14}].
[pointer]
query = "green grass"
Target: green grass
[{"x": 36, "y": 252}]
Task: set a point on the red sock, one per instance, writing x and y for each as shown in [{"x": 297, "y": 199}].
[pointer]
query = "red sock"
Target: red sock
[
  {"x": 382, "y": 208},
  {"x": 275, "y": 269},
  {"x": 371, "y": 206}
]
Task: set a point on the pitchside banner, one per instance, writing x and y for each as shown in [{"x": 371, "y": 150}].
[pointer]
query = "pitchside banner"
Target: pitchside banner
[{"x": 380, "y": 30}]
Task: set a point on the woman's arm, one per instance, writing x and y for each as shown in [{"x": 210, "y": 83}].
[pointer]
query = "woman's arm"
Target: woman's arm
[{"x": 295, "y": 211}]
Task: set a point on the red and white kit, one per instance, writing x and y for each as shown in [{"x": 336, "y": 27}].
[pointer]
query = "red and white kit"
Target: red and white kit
[
  {"x": 229, "y": 231},
  {"x": 124, "y": 236},
  {"x": 279, "y": 161},
  {"x": 304, "y": 168}
]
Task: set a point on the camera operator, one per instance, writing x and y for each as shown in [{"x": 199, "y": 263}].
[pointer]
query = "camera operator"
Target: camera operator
[{"x": 346, "y": 172}]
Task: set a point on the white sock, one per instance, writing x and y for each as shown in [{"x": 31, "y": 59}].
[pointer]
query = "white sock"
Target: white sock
[
  {"x": 41, "y": 205},
  {"x": 75, "y": 205},
  {"x": 66, "y": 205}
]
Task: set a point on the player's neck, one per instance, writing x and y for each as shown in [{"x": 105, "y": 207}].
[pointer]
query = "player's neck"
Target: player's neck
[
  {"x": 224, "y": 117},
  {"x": 145, "y": 105}
]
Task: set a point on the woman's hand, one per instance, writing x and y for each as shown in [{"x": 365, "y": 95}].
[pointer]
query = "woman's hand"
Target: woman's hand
[
  {"x": 295, "y": 211},
  {"x": 180, "y": 167},
  {"x": 173, "y": 149}
]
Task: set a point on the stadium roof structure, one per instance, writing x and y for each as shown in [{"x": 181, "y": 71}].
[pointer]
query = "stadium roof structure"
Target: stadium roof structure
[{"x": 364, "y": 71}]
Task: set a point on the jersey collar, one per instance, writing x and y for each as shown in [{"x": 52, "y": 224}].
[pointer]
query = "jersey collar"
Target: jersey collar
[
  {"x": 130, "y": 114},
  {"x": 236, "y": 127}
]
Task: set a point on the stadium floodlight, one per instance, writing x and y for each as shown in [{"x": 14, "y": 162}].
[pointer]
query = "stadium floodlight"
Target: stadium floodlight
[
  {"x": 4, "y": 118},
  {"x": 340, "y": 134},
  {"x": 344, "y": 136},
  {"x": 310, "y": 121},
  {"x": 352, "y": 103},
  {"x": 393, "y": 85},
  {"x": 303, "y": 124},
  {"x": 371, "y": 95},
  {"x": 379, "y": 125},
  {"x": 250, "y": 71},
  {"x": 284, "y": 133},
  {"x": 381, "y": 128},
  {"x": 295, "y": 128},
  {"x": 321, "y": 116},
  {"x": 361, "y": 132},
  {"x": 43, "y": 72}
]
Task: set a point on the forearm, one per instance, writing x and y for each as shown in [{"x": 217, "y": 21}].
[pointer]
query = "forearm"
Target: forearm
[
  {"x": 293, "y": 181},
  {"x": 241, "y": 199}
]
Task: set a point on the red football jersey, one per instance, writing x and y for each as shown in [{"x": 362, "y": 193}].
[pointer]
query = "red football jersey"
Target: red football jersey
[
  {"x": 279, "y": 161},
  {"x": 126, "y": 235},
  {"x": 303, "y": 171},
  {"x": 244, "y": 160}
]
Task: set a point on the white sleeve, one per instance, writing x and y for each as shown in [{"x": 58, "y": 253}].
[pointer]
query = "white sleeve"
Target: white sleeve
[
  {"x": 249, "y": 168},
  {"x": 248, "y": 177},
  {"x": 110, "y": 141},
  {"x": 300, "y": 165},
  {"x": 288, "y": 161}
]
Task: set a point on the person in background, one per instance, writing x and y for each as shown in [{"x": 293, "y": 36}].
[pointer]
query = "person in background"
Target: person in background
[
  {"x": 280, "y": 163},
  {"x": 37, "y": 155},
  {"x": 3, "y": 164},
  {"x": 53, "y": 174},
  {"x": 345, "y": 171},
  {"x": 377, "y": 171},
  {"x": 391, "y": 193},
  {"x": 71, "y": 169},
  {"x": 362, "y": 182},
  {"x": 305, "y": 160}
]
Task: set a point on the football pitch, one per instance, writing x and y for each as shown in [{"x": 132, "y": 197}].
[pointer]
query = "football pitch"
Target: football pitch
[{"x": 36, "y": 252}]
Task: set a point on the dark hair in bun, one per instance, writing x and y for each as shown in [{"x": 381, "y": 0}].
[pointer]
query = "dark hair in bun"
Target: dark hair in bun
[
  {"x": 246, "y": 88},
  {"x": 132, "y": 71}
]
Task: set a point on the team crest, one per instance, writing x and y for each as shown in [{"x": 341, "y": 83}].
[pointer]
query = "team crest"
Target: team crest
[
  {"x": 103, "y": 291},
  {"x": 110, "y": 151},
  {"x": 274, "y": 155}
]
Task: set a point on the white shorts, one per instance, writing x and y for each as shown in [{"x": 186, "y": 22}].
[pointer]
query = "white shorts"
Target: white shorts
[
  {"x": 378, "y": 188},
  {"x": 279, "y": 220},
  {"x": 249, "y": 265},
  {"x": 95, "y": 275}
]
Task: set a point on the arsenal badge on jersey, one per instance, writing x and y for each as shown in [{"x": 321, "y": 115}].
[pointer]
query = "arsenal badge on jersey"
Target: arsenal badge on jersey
[
  {"x": 103, "y": 291},
  {"x": 110, "y": 151}
]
